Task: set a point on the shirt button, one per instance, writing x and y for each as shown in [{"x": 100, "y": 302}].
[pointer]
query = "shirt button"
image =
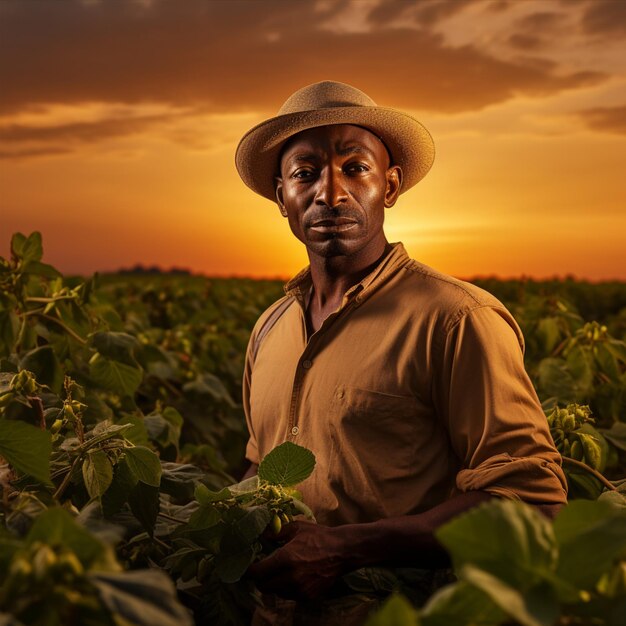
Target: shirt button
[
  {"x": 295, "y": 430},
  {"x": 307, "y": 364}
]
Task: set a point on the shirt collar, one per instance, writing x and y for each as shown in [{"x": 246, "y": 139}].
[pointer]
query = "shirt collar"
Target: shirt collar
[{"x": 300, "y": 285}]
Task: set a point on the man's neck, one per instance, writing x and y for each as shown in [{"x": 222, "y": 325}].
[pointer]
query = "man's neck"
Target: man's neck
[{"x": 332, "y": 277}]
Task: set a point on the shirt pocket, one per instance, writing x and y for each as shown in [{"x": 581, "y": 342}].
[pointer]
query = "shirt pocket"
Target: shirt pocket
[
  {"x": 378, "y": 428},
  {"x": 373, "y": 406}
]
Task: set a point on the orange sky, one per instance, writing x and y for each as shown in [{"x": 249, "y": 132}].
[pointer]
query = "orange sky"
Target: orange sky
[{"x": 119, "y": 122}]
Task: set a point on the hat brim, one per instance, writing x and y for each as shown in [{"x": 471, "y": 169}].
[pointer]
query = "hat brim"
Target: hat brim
[{"x": 410, "y": 144}]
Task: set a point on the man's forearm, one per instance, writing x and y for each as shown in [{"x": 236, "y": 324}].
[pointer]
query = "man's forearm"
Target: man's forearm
[
  {"x": 410, "y": 540},
  {"x": 406, "y": 540},
  {"x": 313, "y": 556}
]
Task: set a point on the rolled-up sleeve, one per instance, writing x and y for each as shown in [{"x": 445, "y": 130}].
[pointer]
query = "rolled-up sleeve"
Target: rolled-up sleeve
[{"x": 492, "y": 414}]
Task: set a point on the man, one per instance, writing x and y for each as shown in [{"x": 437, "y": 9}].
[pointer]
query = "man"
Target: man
[{"x": 408, "y": 385}]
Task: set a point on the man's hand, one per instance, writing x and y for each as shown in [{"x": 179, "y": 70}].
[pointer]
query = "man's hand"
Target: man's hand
[
  {"x": 314, "y": 556},
  {"x": 306, "y": 566}
]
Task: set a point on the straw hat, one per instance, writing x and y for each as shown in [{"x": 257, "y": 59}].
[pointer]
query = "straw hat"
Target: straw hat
[{"x": 321, "y": 104}]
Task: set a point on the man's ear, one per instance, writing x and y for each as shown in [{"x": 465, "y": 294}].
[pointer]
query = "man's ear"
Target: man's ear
[
  {"x": 278, "y": 183},
  {"x": 394, "y": 183}
]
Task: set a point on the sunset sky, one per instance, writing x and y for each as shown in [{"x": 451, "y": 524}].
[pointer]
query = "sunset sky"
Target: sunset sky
[{"x": 119, "y": 122}]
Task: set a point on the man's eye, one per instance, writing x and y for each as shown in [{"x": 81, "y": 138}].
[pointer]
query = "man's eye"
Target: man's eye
[
  {"x": 302, "y": 174},
  {"x": 357, "y": 167}
]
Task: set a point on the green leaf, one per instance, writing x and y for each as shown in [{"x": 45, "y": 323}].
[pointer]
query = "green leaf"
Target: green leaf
[
  {"x": 173, "y": 417},
  {"x": 205, "y": 496},
  {"x": 27, "y": 248},
  {"x": 120, "y": 489},
  {"x": 253, "y": 522},
  {"x": 209, "y": 385},
  {"x": 26, "y": 448},
  {"x": 234, "y": 559},
  {"x": 119, "y": 377},
  {"x": 141, "y": 598},
  {"x": 164, "y": 428},
  {"x": 607, "y": 361},
  {"x": 614, "y": 498},
  {"x": 137, "y": 432},
  {"x": 97, "y": 473},
  {"x": 288, "y": 464},
  {"x": 303, "y": 509},
  {"x": 144, "y": 504},
  {"x": 589, "y": 535},
  {"x": 237, "y": 548},
  {"x": 116, "y": 346},
  {"x": 548, "y": 329},
  {"x": 179, "y": 480},
  {"x": 580, "y": 364},
  {"x": 157, "y": 361},
  {"x": 9, "y": 328},
  {"x": 513, "y": 603},
  {"x": 56, "y": 527},
  {"x": 249, "y": 485},
  {"x": 205, "y": 517},
  {"x": 461, "y": 604},
  {"x": 482, "y": 535},
  {"x": 581, "y": 484},
  {"x": 144, "y": 464},
  {"x": 616, "y": 435},
  {"x": 555, "y": 380},
  {"x": 41, "y": 269},
  {"x": 396, "y": 611},
  {"x": 590, "y": 437},
  {"x": 45, "y": 365},
  {"x": 103, "y": 431},
  {"x": 617, "y": 349}
]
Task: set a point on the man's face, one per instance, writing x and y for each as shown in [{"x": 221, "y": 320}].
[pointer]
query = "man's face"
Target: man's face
[{"x": 334, "y": 184}]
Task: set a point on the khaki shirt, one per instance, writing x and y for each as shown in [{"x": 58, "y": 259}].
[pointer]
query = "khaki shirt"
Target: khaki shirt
[{"x": 412, "y": 391}]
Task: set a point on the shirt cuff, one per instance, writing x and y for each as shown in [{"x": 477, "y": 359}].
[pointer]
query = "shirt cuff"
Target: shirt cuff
[{"x": 530, "y": 479}]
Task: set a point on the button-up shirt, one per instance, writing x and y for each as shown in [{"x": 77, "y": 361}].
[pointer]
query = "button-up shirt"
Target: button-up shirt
[{"x": 412, "y": 391}]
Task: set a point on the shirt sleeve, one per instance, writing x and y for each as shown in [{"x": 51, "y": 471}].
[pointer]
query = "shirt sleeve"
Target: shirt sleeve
[
  {"x": 495, "y": 422},
  {"x": 252, "y": 450}
]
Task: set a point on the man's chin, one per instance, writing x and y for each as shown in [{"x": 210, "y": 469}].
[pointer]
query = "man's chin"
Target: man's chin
[{"x": 331, "y": 248}]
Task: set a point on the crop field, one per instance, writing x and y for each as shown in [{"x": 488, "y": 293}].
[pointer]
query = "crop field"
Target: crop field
[{"x": 122, "y": 442}]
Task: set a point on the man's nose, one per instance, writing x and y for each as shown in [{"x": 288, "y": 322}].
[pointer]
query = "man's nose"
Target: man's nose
[{"x": 330, "y": 187}]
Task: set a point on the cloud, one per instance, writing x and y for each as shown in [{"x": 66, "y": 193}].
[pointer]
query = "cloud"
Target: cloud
[
  {"x": 605, "y": 17},
  {"x": 525, "y": 42},
  {"x": 46, "y": 132},
  {"x": 499, "y": 6},
  {"x": 532, "y": 31},
  {"x": 25, "y": 141},
  {"x": 220, "y": 55},
  {"x": 544, "y": 21},
  {"x": 80, "y": 132},
  {"x": 426, "y": 13},
  {"x": 605, "y": 119},
  {"x": 28, "y": 153}
]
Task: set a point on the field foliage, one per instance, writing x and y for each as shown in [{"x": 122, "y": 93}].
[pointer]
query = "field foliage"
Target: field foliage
[{"x": 122, "y": 440}]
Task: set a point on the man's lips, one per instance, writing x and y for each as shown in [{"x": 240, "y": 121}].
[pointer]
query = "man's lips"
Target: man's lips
[{"x": 335, "y": 224}]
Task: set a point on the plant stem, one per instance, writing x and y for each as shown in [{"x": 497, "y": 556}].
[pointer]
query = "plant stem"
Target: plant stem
[
  {"x": 67, "y": 329},
  {"x": 20, "y": 335},
  {"x": 48, "y": 300},
  {"x": 38, "y": 406},
  {"x": 66, "y": 481},
  {"x": 171, "y": 518},
  {"x": 168, "y": 385},
  {"x": 583, "y": 466},
  {"x": 160, "y": 543}
]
